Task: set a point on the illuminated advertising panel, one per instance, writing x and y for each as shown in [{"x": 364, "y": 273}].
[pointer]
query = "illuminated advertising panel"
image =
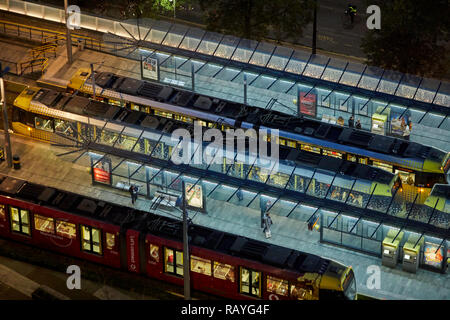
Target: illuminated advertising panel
[
  {"x": 308, "y": 104},
  {"x": 101, "y": 171},
  {"x": 150, "y": 68},
  {"x": 194, "y": 197},
  {"x": 433, "y": 255}
]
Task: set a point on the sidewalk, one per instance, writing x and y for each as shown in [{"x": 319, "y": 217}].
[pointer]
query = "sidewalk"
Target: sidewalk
[{"x": 41, "y": 165}]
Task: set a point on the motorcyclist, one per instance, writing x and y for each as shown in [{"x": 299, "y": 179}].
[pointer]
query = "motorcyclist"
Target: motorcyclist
[{"x": 351, "y": 11}]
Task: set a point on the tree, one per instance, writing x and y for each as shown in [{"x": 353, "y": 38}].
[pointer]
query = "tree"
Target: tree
[
  {"x": 414, "y": 37},
  {"x": 256, "y": 19}
]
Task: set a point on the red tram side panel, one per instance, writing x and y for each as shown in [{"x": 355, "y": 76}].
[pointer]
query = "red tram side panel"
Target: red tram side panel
[
  {"x": 217, "y": 274},
  {"x": 58, "y": 231}
]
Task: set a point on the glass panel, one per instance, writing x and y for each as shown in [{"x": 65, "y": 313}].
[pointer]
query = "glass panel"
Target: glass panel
[
  {"x": 168, "y": 260},
  {"x": 320, "y": 184},
  {"x": 256, "y": 278},
  {"x": 44, "y": 224},
  {"x": 209, "y": 43},
  {"x": 262, "y": 54},
  {"x": 245, "y": 50},
  {"x": 201, "y": 265},
  {"x": 278, "y": 286},
  {"x": 14, "y": 213},
  {"x": 175, "y": 35},
  {"x": 280, "y": 58},
  {"x": 66, "y": 229},
  {"x": 24, "y": 216},
  {"x": 223, "y": 271},
  {"x": 43, "y": 124},
  {"x": 227, "y": 46},
  {"x": 192, "y": 39},
  {"x": 245, "y": 280},
  {"x": 179, "y": 261},
  {"x": 297, "y": 62}
]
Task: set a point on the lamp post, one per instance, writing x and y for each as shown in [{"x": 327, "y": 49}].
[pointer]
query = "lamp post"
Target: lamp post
[
  {"x": 68, "y": 37},
  {"x": 314, "y": 38},
  {"x": 186, "y": 261},
  {"x": 5, "y": 117}
]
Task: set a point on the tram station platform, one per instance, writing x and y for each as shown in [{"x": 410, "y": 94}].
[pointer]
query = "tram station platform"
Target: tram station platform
[
  {"x": 40, "y": 164},
  {"x": 58, "y": 73}
]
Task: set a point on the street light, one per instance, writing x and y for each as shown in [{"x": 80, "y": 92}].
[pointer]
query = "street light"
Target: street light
[
  {"x": 5, "y": 117},
  {"x": 68, "y": 36},
  {"x": 174, "y": 6}
]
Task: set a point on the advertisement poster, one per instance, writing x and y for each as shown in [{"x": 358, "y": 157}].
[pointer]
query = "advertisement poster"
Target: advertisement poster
[
  {"x": 432, "y": 256},
  {"x": 102, "y": 171},
  {"x": 194, "y": 196},
  {"x": 399, "y": 123},
  {"x": 308, "y": 104},
  {"x": 150, "y": 68}
]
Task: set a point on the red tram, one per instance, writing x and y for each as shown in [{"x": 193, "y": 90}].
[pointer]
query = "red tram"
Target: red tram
[{"x": 222, "y": 264}]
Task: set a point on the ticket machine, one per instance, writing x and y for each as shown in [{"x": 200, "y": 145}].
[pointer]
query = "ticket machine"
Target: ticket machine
[
  {"x": 411, "y": 252},
  {"x": 390, "y": 248}
]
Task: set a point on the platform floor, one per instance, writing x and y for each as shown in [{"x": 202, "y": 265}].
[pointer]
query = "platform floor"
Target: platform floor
[{"x": 40, "y": 164}]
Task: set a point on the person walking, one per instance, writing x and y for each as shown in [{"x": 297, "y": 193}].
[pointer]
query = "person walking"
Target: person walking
[
  {"x": 351, "y": 122},
  {"x": 358, "y": 124},
  {"x": 267, "y": 223},
  {"x": 134, "y": 193},
  {"x": 351, "y": 11},
  {"x": 239, "y": 195}
]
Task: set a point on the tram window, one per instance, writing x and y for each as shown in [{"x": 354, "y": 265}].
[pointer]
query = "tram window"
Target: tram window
[
  {"x": 154, "y": 253},
  {"x": 250, "y": 282},
  {"x": 282, "y": 142},
  {"x": 299, "y": 292},
  {"x": 43, "y": 124},
  {"x": 202, "y": 123},
  {"x": 2, "y": 212},
  {"x": 20, "y": 220},
  {"x": 91, "y": 239},
  {"x": 163, "y": 114},
  {"x": 382, "y": 165},
  {"x": 331, "y": 153},
  {"x": 290, "y": 143},
  {"x": 278, "y": 286},
  {"x": 65, "y": 127},
  {"x": 110, "y": 240},
  {"x": 173, "y": 261},
  {"x": 351, "y": 157},
  {"x": 223, "y": 271},
  {"x": 363, "y": 160},
  {"x": 200, "y": 265},
  {"x": 66, "y": 229},
  {"x": 309, "y": 148},
  {"x": 44, "y": 224}
]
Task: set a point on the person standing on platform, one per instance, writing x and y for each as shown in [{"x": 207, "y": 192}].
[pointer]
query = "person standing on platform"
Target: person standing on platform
[
  {"x": 351, "y": 122},
  {"x": 267, "y": 223},
  {"x": 134, "y": 193},
  {"x": 358, "y": 124},
  {"x": 239, "y": 195}
]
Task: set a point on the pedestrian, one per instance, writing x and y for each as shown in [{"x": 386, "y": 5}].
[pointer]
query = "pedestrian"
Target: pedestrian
[
  {"x": 351, "y": 11},
  {"x": 267, "y": 224},
  {"x": 358, "y": 124},
  {"x": 340, "y": 121},
  {"x": 351, "y": 122},
  {"x": 239, "y": 195},
  {"x": 134, "y": 193}
]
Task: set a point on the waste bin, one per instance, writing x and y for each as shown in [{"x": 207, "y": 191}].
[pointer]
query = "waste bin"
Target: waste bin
[
  {"x": 390, "y": 248},
  {"x": 411, "y": 253},
  {"x": 80, "y": 44},
  {"x": 16, "y": 162}
]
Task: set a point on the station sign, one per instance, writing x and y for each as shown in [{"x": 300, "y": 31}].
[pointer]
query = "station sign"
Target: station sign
[{"x": 194, "y": 196}]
